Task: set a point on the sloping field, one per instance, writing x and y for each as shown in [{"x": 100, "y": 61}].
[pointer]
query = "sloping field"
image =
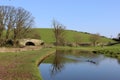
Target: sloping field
[{"x": 48, "y": 36}]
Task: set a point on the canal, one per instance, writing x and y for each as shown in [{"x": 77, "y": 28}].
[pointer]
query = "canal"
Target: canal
[{"x": 79, "y": 65}]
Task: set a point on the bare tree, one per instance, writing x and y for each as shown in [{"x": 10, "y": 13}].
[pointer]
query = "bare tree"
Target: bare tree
[
  {"x": 118, "y": 36},
  {"x": 23, "y": 22},
  {"x": 9, "y": 14},
  {"x": 59, "y": 32},
  {"x": 16, "y": 21},
  {"x": 4, "y": 21},
  {"x": 94, "y": 38}
]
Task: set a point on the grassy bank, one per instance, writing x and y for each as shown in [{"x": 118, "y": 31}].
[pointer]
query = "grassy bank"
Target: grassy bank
[
  {"x": 111, "y": 51},
  {"x": 76, "y": 48},
  {"x": 22, "y": 65}
]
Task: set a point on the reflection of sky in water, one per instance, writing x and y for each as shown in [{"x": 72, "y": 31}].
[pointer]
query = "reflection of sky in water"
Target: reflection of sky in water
[
  {"x": 84, "y": 69},
  {"x": 94, "y": 60}
]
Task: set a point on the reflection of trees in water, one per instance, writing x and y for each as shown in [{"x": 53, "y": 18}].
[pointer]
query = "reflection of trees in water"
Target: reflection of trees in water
[
  {"x": 57, "y": 64},
  {"x": 118, "y": 60},
  {"x": 78, "y": 55}
]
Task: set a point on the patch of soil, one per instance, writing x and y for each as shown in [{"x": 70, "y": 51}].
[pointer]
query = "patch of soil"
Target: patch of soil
[{"x": 27, "y": 48}]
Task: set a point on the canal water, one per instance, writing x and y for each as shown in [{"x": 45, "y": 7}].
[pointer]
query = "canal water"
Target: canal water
[{"x": 79, "y": 65}]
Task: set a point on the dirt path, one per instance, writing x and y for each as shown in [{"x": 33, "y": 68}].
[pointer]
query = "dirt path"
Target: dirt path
[{"x": 27, "y": 48}]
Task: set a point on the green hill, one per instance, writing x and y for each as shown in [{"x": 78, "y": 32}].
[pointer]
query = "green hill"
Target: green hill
[{"x": 48, "y": 36}]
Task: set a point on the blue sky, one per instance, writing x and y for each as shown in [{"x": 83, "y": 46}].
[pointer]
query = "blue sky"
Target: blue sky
[{"x": 93, "y": 16}]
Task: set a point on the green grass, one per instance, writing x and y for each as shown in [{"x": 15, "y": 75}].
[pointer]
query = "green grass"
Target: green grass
[
  {"x": 48, "y": 36},
  {"x": 22, "y": 65},
  {"x": 110, "y": 51},
  {"x": 114, "y": 48}
]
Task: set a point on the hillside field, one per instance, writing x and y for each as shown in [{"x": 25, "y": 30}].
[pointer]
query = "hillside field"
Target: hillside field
[{"x": 48, "y": 36}]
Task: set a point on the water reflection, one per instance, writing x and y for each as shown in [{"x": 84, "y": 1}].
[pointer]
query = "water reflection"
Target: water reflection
[
  {"x": 61, "y": 57},
  {"x": 76, "y": 65},
  {"x": 85, "y": 56},
  {"x": 118, "y": 61},
  {"x": 58, "y": 62}
]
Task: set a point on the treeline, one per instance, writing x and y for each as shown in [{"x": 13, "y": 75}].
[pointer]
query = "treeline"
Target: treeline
[{"x": 15, "y": 23}]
